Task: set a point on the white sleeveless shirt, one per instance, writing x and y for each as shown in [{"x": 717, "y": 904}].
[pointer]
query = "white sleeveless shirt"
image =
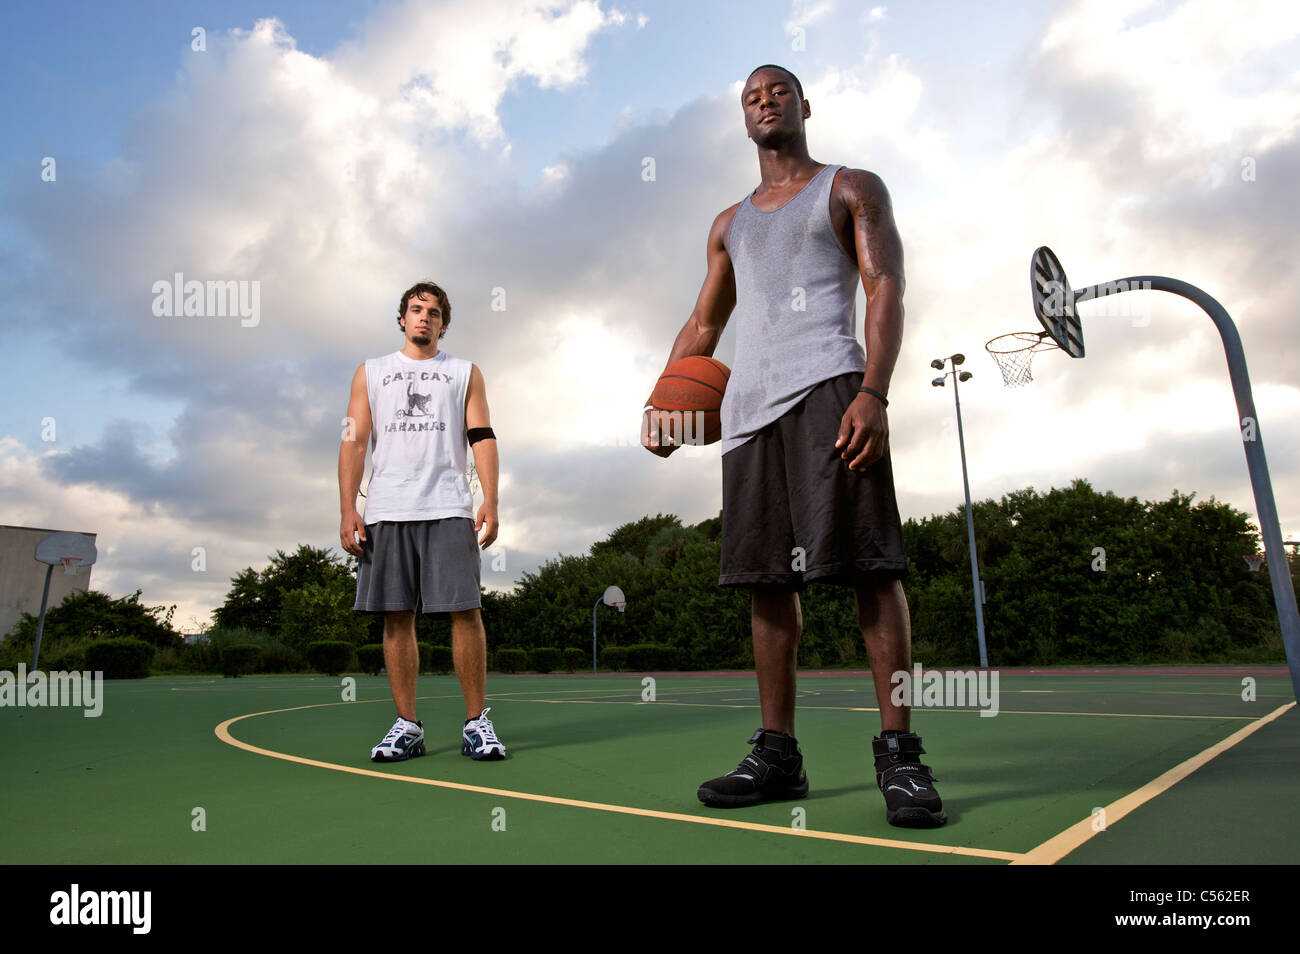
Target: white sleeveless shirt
[{"x": 417, "y": 438}]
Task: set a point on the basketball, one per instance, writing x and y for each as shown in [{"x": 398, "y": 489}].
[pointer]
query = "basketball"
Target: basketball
[{"x": 693, "y": 384}]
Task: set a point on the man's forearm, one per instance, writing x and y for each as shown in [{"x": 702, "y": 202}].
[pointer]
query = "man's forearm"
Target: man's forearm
[
  {"x": 883, "y": 325},
  {"x": 352, "y": 464},
  {"x": 693, "y": 339},
  {"x": 487, "y": 465}
]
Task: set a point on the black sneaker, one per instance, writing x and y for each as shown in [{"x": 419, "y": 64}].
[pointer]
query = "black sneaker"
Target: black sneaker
[
  {"x": 910, "y": 798},
  {"x": 772, "y": 772}
]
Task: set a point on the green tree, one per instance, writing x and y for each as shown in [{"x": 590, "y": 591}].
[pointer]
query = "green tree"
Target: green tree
[
  {"x": 90, "y": 615},
  {"x": 255, "y": 600},
  {"x": 322, "y": 612},
  {"x": 634, "y": 538}
]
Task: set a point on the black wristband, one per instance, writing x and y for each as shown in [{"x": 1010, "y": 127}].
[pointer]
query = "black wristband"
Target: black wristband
[
  {"x": 476, "y": 434},
  {"x": 876, "y": 394}
]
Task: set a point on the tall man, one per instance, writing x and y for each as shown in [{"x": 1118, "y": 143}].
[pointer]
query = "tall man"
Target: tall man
[
  {"x": 807, "y": 482},
  {"x": 418, "y": 546}
]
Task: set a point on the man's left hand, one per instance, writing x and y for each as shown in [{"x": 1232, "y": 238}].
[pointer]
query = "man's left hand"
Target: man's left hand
[
  {"x": 487, "y": 517},
  {"x": 864, "y": 432}
]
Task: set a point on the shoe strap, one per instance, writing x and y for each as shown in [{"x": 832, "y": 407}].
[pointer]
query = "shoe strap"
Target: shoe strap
[
  {"x": 897, "y": 746},
  {"x": 782, "y": 745}
]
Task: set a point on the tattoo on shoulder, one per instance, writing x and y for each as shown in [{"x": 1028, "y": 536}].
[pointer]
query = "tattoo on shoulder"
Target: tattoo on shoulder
[{"x": 873, "y": 219}]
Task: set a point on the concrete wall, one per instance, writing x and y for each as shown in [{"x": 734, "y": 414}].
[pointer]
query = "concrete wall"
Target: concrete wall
[{"x": 22, "y": 578}]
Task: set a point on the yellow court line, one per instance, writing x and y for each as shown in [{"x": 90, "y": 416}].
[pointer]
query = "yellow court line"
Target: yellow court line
[
  {"x": 223, "y": 733},
  {"x": 1057, "y": 847},
  {"x": 631, "y": 691},
  {"x": 721, "y": 705}
]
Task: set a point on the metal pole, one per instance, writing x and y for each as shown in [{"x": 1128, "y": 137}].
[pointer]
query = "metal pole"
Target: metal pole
[
  {"x": 970, "y": 532},
  {"x": 593, "y": 635},
  {"x": 40, "y": 623},
  {"x": 1252, "y": 439}
]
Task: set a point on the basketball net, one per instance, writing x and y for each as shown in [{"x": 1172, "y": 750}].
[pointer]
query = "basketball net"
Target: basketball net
[
  {"x": 1014, "y": 354},
  {"x": 70, "y": 565}
]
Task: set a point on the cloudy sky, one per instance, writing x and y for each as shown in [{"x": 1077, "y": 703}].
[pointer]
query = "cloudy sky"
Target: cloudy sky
[{"x": 333, "y": 154}]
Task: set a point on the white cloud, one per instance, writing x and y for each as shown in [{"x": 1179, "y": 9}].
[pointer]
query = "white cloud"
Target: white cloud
[
  {"x": 450, "y": 65},
  {"x": 805, "y": 12},
  {"x": 1193, "y": 71}
]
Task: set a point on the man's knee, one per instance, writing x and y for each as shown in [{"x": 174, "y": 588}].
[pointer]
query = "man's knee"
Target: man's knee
[
  {"x": 879, "y": 596},
  {"x": 466, "y": 622},
  {"x": 872, "y": 589},
  {"x": 775, "y": 596},
  {"x": 399, "y": 623}
]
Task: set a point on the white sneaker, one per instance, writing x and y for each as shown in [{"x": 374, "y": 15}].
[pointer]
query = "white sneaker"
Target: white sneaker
[
  {"x": 404, "y": 740},
  {"x": 479, "y": 740}
]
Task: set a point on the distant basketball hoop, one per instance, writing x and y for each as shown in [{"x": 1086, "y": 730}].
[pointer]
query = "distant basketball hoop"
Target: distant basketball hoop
[
  {"x": 613, "y": 596},
  {"x": 69, "y": 550}
]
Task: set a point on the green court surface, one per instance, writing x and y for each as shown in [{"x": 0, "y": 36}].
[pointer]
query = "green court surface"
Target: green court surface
[{"x": 279, "y": 768}]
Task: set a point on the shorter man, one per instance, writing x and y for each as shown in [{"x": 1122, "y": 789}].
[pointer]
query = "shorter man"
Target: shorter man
[{"x": 418, "y": 546}]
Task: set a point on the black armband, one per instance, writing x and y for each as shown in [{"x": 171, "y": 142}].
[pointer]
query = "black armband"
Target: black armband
[{"x": 476, "y": 434}]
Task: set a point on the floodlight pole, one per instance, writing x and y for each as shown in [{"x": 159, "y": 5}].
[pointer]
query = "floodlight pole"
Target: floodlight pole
[
  {"x": 1252, "y": 439},
  {"x": 976, "y": 584}
]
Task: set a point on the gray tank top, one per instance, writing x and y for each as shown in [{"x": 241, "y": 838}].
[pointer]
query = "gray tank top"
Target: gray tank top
[{"x": 795, "y": 315}]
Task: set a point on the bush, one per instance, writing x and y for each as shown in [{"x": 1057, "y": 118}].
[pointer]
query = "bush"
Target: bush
[
  {"x": 425, "y": 651},
  {"x": 371, "y": 658},
  {"x": 277, "y": 657},
  {"x": 240, "y": 660},
  {"x": 575, "y": 659},
  {"x": 68, "y": 657},
  {"x": 511, "y": 660},
  {"x": 120, "y": 658},
  {"x": 544, "y": 659},
  {"x": 614, "y": 658},
  {"x": 11, "y": 654},
  {"x": 205, "y": 654},
  {"x": 644, "y": 657},
  {"x": 330, "y": 656},
  {"x": 440, "y": 660},
  {"x": 201, "y": 656},
  {"x": 165, "y": 660}
]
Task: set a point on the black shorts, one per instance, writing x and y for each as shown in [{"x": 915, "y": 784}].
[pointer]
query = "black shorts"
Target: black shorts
[
  {"x": 792, "y": 511},
  {"x": 426, "y": 565}
]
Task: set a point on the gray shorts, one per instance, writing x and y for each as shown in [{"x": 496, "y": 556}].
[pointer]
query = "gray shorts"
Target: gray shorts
[{"x": 430, "y": 565}]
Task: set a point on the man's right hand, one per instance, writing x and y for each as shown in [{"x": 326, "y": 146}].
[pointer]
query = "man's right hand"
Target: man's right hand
[
  {"x": 353, "y": 526},
  {"x": 652, "y": 431}
]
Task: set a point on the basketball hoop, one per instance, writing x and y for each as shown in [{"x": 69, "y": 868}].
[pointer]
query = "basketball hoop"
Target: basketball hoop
[
  {"x": 1054, "y": 305},
  {"x": 614, "y": 597},
  {"x": 65, "y": 549},
  {"x": 1014, "y": 354}
]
